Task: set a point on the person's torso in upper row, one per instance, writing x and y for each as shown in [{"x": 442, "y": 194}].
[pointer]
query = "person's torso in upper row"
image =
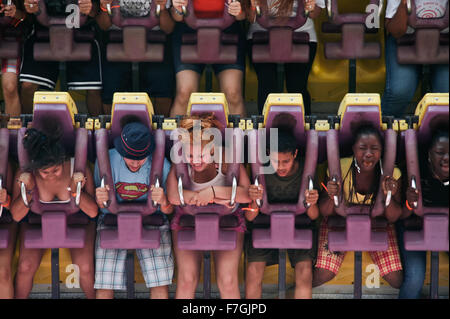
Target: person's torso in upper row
[
  {"x": 308, "y": 27},
  {"x": 430, "y": 9}
]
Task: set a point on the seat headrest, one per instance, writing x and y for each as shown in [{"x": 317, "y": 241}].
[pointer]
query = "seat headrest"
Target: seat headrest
[
  {"x": 58, "y": 107},
  {"x": 278, "y": 106},
  {"x": 216, "y": 103},
  {"x": 355, "y": 110},
  {"x": 130, "y": 105},
  {"x": 433, "y": 112}
]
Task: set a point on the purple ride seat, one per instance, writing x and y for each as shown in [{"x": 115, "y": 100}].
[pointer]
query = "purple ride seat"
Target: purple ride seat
[
  {"x": 137, "y": 42},
  {"x": 5, "y": 224},
  {"x": 208, "y": 224},
  {"x": 283, "y": 233},
  {"x": 362, "y": 229},
  {"x": 55, "y": 230},
  {"x": 427, "y": 45},
  {"x": 9, "y": 44},
  {"x": 433, "y": 235},
  {"x": 61, "y": 44},
  {"x": 129, "y": 217},
  {"x": 280, "y": 44},
  {"x": 209, "y": 47},
  {"x": 352, "y": 27}
]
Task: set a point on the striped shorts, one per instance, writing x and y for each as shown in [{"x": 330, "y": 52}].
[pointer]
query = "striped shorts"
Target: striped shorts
[
  {"x": 387, "y": 261},
  {"x": 157, "y": 265}
]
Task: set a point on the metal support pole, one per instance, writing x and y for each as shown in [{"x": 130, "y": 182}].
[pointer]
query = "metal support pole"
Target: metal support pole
[
  {"x": 55, "y": 273},
  {"x": 434, "y": 273},
  {"x": 135, "y": 76},
  {"x": 207, "y": 275},
  {"x": 352, "y": 76},
  {"x": 63, "y": 76},
  {"x": 357, "y": 284},
  {"x": 282, "y": 273},
  {"x": 280, "y": 77},
  {"x": 208, "y": 78},
  {"x": 129, "y": 268}
]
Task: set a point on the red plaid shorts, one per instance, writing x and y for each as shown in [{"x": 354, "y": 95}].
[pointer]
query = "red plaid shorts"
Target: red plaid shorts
[{"x": 387, "y": 261}]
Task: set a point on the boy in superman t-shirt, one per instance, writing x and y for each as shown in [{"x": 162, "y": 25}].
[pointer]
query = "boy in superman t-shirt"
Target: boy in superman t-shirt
[{"x": 131, "y": 161}]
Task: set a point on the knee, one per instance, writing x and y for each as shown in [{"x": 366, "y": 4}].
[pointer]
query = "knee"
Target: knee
[
  {"x": 26, "y": 267},
  {"x": 86, "y": 270},
  {"x": 394, "y": 279},
  {"x": 187, "y": 281},
  {"x": 9, "y": 88},
  {"x": 321, "y": 276},
  {"x": 183, "y": 94},
  {"x": 303, "y": 272},
  {"x": 28, "y": 87},
  {"x": 234, "y": 95},
  {"x": 5, "y": 275},
  {"x": 254, "y": 274},
  {"x": 227, "y": 282}
]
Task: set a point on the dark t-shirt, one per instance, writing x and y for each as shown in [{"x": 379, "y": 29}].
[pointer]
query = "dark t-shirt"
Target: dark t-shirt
[
  {"x": 284, "y": 189},
  {"x": 434, "y": 192}
]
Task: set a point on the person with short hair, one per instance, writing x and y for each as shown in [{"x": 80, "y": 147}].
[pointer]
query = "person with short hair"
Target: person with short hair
[
  {"x": 282, "y": 187},
  {"x": 131, "y": 163}
]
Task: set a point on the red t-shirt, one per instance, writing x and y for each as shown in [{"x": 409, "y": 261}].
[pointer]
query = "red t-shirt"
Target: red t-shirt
[{"x": 208, "y": 8}]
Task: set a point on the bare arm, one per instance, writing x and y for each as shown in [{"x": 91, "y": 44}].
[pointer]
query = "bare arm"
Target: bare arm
[
  {"x": 103, "y": 19},
  {"x": 398, "y": 25},
  {"x": 172, "y": 190},
  {"x": 18, "y": 209},
  {"x": 166, "y": 22},
  {"x": 87, "y": 201},
  {"x": 224, "y": 192}
]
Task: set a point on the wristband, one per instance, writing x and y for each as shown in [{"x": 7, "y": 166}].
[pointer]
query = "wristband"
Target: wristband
[
  {"x": 180, "y": 13},
  {"x": 167, "y": 206},
  {"x": 8, "y": 202},
  {"x": 407, "y": 206}
]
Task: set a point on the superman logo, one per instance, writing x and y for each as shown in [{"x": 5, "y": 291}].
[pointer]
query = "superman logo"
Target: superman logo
[{"x": 131, "y": 191}]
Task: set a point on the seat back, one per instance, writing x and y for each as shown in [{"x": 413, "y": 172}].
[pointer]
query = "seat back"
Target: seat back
[
  {"x": 280, "y": 44},
  {"x": 61, "y": 45},
  {"x": 58, "y": 107},
  {"x": 210, "y": 47},
  {"x": 353, "y": 29},
  {"x": 208, "y": 232},
  {"x": 9, "y": 45},
  {"x": 426, "y": 45},
  {"x": 283, "y": 234},
  {"x": 136, "y": 43},
  {"x": 356, "y": 110}
]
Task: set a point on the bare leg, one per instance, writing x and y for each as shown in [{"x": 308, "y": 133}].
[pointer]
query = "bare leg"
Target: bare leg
[
  {"x": 395, "y": 279},
  {"x": 231, "y": 85},
  {"x": 162, "y": 105},
  {"x": 104, "y": 294},
  {"x": 303, "y": 280},
  {"x": 321, "y": 276},
  {"x": 94, "y": 102},
  {"x": 107, "y": 108},
  {"x": 227, "y": 264},
  {"x": 11, "y": 94},
  {"x": 253, "y": 282},
  {"x": 6, "y": 281},
  {"x": 27, "y": 95},
  {"x": 187, "y": 82},
  {"x": 84, "y": 258},
  {"x": 161, "y": 292},
  {"x": 29, "y": 261},
  {"x": 188, "y": 270}
]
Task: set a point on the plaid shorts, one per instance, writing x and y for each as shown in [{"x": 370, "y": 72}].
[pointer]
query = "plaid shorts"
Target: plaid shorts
[
  {"x": 387, "y": 261},
  {"x": 157, "y": 265}
]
